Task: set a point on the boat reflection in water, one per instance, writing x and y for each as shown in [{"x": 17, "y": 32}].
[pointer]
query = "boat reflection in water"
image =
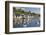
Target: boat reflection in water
[{"x": 26, "y": 21}]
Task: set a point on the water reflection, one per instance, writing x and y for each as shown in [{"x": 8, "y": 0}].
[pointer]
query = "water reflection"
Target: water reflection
[{"x": 31, "y": 21}]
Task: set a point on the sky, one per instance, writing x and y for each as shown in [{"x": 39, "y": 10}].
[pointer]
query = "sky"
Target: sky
[{"x": 32, "y": 9}]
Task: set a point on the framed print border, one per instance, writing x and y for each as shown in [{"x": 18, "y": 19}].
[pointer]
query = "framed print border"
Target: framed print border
[{"x": 7, "y": 16}]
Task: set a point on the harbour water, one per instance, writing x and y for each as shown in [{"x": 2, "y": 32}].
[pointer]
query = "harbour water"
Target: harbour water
[{"x": 27, "y": 22}]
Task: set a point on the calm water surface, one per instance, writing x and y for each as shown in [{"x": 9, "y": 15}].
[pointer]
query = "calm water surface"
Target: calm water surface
[{"x": 34, "y": 22}]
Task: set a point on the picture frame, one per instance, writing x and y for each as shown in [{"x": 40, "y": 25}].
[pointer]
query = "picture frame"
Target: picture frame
[{"x": 14, "y": 25}]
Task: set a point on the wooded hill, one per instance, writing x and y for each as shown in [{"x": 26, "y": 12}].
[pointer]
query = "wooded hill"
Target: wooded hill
[{"x": 20, "y": 11}]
